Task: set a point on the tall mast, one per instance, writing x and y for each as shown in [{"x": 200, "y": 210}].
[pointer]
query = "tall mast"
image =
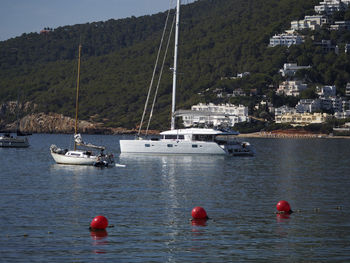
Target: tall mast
[
  {"x": 175, "y": 64},
  {"x": 77, "y": 99}
]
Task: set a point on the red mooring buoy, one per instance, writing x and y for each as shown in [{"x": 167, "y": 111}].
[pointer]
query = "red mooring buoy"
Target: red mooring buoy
[
  {"x": 284, "y": 207},
  {"x": 99, "y": 222},
  {"x": 199, "y": 213}
]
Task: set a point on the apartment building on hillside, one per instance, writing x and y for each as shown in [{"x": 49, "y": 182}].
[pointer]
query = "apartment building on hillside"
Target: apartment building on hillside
[
  {"x": 286, "y": 39},
  {"x": 309, "y": 22},
  {"x": 291, "y": 88}
]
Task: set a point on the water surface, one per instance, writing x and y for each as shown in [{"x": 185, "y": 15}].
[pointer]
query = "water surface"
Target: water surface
[{"x": 46, "y": 208}]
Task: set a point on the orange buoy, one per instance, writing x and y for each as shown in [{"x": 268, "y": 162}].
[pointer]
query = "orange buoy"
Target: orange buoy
[
  {"x": 284, "y": 207},
  {"x": 199, "y": 213},
  {"x": 99, "y": 223}
]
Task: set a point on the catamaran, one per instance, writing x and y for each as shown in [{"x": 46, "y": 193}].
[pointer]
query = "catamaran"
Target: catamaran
[
  {"x": 79, "y": 156},
  {"x": 190, "y": 140}
]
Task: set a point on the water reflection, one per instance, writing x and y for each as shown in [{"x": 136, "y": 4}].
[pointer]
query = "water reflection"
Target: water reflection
[
  {"x": 99, "y": 240},
  {"x": 71, "y": 168},
  {"x": 98, "y": 235},
  {"x": 199, "y": 222},
  {"x": 282, "y": 217}
]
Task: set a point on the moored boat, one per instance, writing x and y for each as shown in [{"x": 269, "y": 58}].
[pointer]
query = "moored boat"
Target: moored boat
[
  {"x": 84, "y": 156},
  {"x": 9, "y": 141},
  {"x": 185, "y": 141}
]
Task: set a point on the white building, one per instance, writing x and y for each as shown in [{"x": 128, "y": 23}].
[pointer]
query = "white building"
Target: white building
[
  {"x": 283, "y": 110},
  {"x": 347, "y": 48},
  {"x": 302, "y": 118},
  {"x": 289, "y": 69},
  {"x": 347, "y": 90},
  {"x": 342, "y": 114},
  {"x": 327, "y": 46},
  {"x": 286, "y": 40},
  {"x": 291, "y": 88},
  {"x": 340, "y": 25},
  {"x": 308, "y": 105},
  {"x": 214, "y": 115},
  {"x": 237, "y": 93},
  {"x": 242, "y": 75},
  {"x": 332, "y": 103},
  {"x": 326, "y": 91},
  {"x": 330, "y": 6},
  {"x": 309, "y": 22}
]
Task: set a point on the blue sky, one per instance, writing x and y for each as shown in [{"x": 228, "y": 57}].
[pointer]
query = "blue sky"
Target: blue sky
[{"x": 26, "y": 16}]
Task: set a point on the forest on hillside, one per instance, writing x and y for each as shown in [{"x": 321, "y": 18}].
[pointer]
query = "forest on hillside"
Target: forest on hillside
[{"x": 218, "y": 39}]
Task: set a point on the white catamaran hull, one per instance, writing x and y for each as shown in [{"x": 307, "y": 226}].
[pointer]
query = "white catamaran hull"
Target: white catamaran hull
[{"x": 171, "y": 147}]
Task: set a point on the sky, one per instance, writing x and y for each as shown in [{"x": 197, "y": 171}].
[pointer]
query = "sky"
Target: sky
[{"x": 26, "y": 16}]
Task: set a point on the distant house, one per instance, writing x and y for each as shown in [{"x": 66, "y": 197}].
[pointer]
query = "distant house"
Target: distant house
[
  {"x": 291, "y": 88},
  {"x": 332, "y": 103},
  {"x": 286, "y": 39},
  {"x": 342, "y": 114},
  {"x": 244, "y": 74},
  {"x": 214, "y": 115},
  {"x": 283, "y": 110},
  {"x": 330, "y": 6},
  {"x": 326, "y": 91},
  {"x": 308, "y": 105},
  {"x": 347, "y": 90},
  {"x": 289, "y": 69},
  {"x": 309, "y": 22},
  {"x": 302, "y": 118},
  {"x": 46, "y": 30},
  {"x": 340, "y": 25},
  {"x": 237, "y": 93},
  {"x": 347, "y": 48},
  {"x": 327, "y": 46}
]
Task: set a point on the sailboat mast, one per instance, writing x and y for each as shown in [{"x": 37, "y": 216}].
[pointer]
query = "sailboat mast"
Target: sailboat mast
[
  {"x": 175, "y": 64},
  {"x": 77, "y": 99}
]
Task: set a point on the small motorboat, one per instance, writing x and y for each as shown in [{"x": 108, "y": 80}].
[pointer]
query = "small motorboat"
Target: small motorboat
[{"x": 9, "y": 141}]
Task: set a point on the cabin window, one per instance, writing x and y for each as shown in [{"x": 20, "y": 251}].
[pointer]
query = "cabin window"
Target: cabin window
[
  {"x": 181, "y": 137},
  {"x": 194, "y": 146},
  {"x": 171, "y": 137},
  {"x": 147, "y": 145},
  {"x": 170, "y": 145},
  {"x": 203, "y": 138}
]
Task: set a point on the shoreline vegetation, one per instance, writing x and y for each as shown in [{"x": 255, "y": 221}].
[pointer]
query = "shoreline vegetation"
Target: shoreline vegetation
[
  {"x": 290, "y": 134},
  {"x": 262, "y": 134},
  {"x": 54, "y": 123}
]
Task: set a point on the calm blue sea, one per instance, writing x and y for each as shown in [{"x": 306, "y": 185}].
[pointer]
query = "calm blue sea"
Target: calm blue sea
[{"x": 46, "y": 209}]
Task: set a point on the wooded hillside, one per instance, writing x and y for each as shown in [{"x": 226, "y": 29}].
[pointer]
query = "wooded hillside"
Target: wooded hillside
[{"x": 218, "y": 38}]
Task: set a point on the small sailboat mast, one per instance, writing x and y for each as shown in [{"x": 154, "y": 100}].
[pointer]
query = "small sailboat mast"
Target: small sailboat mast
[
  {"x": 77, "y": 100},
  {"x": 175, "y": 64}
]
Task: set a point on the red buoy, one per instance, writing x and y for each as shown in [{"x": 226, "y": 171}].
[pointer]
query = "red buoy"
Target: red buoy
[
  {"x": 284, "y": 207},
  {"x": 199, "y": 213},
  {"x": 99, "y": 222}
]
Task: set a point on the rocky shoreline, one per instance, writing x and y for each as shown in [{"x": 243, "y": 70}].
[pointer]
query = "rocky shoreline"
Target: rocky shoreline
[{"x": 58, "y": 123}]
